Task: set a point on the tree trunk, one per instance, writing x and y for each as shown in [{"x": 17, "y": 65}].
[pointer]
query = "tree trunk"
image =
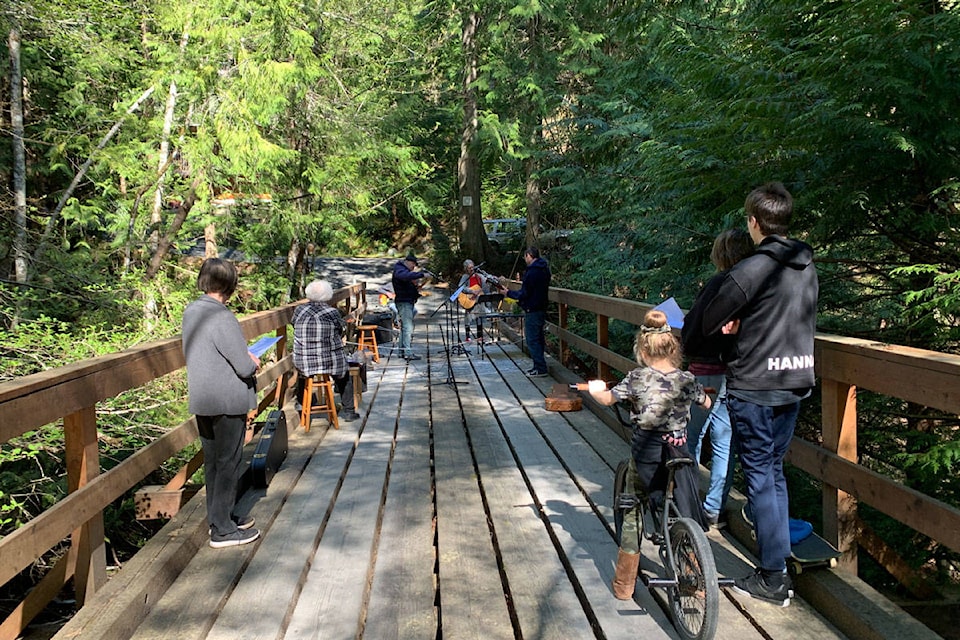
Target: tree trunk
[
  {"x": 157, "y": 211},
  {"x": 533, "y": 203},
  {"x": 210, "y": 248},
  {"x": 473, "y": 240},
  {"x": 19, "y": 160},
  {"x": 164, "y": 245}
]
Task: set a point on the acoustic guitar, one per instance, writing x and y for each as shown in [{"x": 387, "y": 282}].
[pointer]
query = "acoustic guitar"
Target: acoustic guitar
[{"x": 468, "y": 297}]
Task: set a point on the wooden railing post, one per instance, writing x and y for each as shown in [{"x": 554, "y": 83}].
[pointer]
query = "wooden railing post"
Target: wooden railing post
[
  {"x": 281, "y": 351},
  {"x": 840, "y": 437},
  {"x": 603, "y": 339},
  {"x": 563, "y": 309},
  {"x": 83, "y": 465}
]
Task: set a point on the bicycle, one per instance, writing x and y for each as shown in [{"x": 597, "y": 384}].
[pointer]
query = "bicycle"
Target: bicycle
[{"x": 690, "y": 580}]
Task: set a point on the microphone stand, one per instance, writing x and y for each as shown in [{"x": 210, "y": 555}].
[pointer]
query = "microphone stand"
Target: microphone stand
[{"x": 451, "y": 379}]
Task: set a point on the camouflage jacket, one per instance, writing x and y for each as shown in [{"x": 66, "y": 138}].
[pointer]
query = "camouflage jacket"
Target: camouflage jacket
[{"x": 659, "y": 401}]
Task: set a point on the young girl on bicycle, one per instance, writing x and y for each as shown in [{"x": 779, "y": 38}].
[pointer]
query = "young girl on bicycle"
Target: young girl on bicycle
[{"x": 660, "y": 395}]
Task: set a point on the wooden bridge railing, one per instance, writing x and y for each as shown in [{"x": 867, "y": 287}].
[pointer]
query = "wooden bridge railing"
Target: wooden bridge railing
[
  {"x": 843, "y": 365},
  {"x": 72, "y": 393}
]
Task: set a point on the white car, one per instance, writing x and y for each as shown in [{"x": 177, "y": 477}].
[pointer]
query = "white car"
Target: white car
[{"x": 505, "y": 231}]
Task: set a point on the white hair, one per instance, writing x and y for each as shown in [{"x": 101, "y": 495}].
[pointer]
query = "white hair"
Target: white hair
[{"x": 319, "y": 291}]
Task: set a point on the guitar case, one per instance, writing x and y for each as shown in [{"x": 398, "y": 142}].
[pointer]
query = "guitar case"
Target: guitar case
[{"x": 271, "y": 450}]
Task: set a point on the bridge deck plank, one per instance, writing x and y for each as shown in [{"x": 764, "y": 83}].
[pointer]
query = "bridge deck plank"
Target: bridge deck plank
[{"x": 450, "y": 510}]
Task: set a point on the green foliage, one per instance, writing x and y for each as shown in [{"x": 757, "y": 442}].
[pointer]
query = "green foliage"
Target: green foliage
[{"x": 644, "y": 124}]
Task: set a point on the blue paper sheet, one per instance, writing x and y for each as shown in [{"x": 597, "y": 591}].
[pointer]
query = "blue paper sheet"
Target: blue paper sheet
[
  {"x": 674, "y": 314},
  {"x": 260, "y": 347}
]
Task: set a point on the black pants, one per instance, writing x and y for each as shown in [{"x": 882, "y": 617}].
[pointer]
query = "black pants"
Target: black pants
[{"x": 650, "y": 453}]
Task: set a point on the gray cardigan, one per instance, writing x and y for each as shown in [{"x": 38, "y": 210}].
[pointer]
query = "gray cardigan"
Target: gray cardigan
[{"x": 220, "y": 371}]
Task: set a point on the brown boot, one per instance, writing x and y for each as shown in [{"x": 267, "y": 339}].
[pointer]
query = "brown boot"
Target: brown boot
[{"x": 626, "y": 577}]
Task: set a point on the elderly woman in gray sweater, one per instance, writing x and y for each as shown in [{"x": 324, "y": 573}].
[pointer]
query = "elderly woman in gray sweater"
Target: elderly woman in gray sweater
[{"x": 222, "y": 386}]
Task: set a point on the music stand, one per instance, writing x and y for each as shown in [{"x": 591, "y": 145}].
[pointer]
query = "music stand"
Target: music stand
[
  {"x": 452, "y": 298},
  {"x": 451, "y": 379},
  {"x": 448, "y": 303},
  {"x": 457, "y": 345},
  {"x": 486, "y": 298}
]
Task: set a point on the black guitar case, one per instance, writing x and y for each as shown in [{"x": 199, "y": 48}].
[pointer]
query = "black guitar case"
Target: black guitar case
[{"x": 271, "y": 450}]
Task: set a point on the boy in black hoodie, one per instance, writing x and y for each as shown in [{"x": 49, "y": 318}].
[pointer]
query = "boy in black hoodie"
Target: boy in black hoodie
[{"x": 769, "y": 301}]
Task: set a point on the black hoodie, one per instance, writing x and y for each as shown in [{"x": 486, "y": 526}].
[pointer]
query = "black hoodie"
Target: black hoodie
[{"x": 774, "y": 295}]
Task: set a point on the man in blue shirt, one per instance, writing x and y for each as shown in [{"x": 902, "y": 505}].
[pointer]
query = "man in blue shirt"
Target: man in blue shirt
[{"x": 407, "y": 291}]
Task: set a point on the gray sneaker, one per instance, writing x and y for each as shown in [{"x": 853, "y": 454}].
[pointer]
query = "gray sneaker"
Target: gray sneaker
[
  {"x": 243, "y": 523},
  {"x": 235, "y": 539}
]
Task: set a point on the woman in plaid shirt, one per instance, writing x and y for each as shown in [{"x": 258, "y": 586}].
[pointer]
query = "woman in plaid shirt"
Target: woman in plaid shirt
[{"x": 318, "y": 331}]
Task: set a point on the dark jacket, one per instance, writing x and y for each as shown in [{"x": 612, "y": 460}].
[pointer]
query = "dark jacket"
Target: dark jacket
[
  {"x": 699, "y": 347},
  {"x": 404, "y": 283},
  {"x": 533, "y": 292},
  {"x": 774, "y": 295}
]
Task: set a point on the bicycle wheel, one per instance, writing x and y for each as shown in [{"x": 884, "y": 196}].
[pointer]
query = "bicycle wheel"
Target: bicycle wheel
[
  {"x": 695, "y": 600},
  {"x": 619, "y": 485}
]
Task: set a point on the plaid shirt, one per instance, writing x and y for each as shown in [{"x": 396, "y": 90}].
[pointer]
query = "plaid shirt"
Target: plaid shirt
[{"x": 318, "y": 331}]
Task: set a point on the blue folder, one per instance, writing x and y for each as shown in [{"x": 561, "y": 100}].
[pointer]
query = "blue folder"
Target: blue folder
[
  {"x": 260, "y": 347},
  {"x": 674, "y": 314}
]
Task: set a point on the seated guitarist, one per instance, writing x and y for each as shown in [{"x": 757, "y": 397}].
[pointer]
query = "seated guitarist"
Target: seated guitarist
[{"x": 474, "y": 286}]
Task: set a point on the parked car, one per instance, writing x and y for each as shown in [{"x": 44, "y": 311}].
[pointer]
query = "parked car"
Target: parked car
[
  {"x": 509, "y": 233},
  {"x": 505, "y": 232}
]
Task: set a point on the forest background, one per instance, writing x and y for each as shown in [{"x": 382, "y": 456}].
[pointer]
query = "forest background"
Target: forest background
[{"x": 288, "y": 129}]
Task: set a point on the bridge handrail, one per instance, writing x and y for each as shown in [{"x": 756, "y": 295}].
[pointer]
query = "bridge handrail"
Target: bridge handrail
[
  {"x": 72, "y": 393},
  {"x": 928, "y": 378}
]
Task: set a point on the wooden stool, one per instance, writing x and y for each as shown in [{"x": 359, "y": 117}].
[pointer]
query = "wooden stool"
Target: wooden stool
[
  {"x": 326, "y": 405},
  {"x": 357, "y": 385},
  {"x": 367, "y": 339}
]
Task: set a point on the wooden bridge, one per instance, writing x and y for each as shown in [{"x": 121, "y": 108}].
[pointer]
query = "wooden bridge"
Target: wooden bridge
[{"x": 457, "y": 507}]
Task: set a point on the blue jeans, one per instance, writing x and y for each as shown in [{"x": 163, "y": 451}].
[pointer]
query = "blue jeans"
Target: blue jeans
[
  {"x": 699, "y": 416},
  {"x": 406, "y": 327},
  {"x": 534, "y": 323},
  {"x": 717, "y": 421},
  {"x": 763, "y": 437}
]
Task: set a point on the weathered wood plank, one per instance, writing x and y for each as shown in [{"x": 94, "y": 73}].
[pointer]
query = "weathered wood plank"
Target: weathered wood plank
[
  {"x": 19, "y": 549},
  {"x": 403, "y": 593},
  {"x": 472, "y": 602},
  {"x": 271, "y": 583},
  {"x": 190, "y": 607},
  {"x": 546, "y": 602},
  {"x": 932, "y": 517},
  {"x": 331, "y": 601},
  {"x": 130, "y": 596},
  {"x": 583, "y": 538}
]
